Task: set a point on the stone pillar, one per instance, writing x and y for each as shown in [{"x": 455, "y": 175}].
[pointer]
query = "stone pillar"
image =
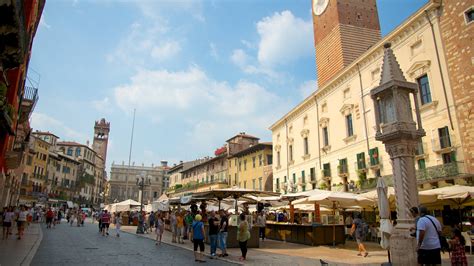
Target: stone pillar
[{"x": 402, "y": 245}]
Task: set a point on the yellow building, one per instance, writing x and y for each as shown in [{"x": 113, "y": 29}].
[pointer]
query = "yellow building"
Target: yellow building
[
  {"x": 330, "y": 136},
  {"x": 252, "y": 168},
  {"x": 39, "y": 165}
]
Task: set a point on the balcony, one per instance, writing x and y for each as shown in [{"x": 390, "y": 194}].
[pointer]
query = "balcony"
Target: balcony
[
  {"x": 6, "y": 114},
  {"x": 14, "y": 39},
  {"x": 444, "y": 144},
  {"x": 28, "y": 103}
]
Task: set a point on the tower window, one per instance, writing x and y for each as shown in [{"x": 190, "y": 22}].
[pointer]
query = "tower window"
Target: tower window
[
  {"x": 350, "y": 129},
  {"x": 469, "y": 15},
  {"x": 325, "y": 136}
]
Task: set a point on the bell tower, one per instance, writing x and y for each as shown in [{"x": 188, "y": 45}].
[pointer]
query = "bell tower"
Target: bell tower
[
  {"x": 101, "y": 138},
  {"x": 343, "y": 30}
]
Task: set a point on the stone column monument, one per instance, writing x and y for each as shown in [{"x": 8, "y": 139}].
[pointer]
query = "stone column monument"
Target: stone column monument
[{"x": 400, "y": 134}]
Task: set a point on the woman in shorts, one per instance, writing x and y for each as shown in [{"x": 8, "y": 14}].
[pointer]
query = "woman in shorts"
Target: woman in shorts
[
  {"x": 198, "y": 238},
  {"x": 8, "y": 216},
  {"x": 21, "y": 221},
  {"x": 160, "y": 227}
]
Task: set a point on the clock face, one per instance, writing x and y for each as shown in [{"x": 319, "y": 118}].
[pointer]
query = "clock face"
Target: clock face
[{"x": 319, "y": 6}]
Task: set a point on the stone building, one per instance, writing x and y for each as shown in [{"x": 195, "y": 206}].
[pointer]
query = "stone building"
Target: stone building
[
  {"x": 123, "y": 182},
  {"x": 252, "y": 168},
  {"x": 331, "y": 134}
]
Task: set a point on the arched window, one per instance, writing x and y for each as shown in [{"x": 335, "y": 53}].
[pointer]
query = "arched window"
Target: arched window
[{"x": 69, "y": 151}]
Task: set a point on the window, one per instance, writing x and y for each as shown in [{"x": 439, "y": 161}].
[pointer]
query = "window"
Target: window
[
  {"x": 324, "y": 108},
  {"x": 253, "y": 184},
  {"x": 469, "y": 15},
  {"x": 290, "y": 152},
  {"x": 350, "y": 129},
  {"x": 419, "y": 148},
  {"x": 245, "y": 164},
  {"x": 245, "y": 184},
  {"x": 327, "y": 169},
  {"x": 325, "y": 136},
  {"x": 303, "y": 188},
  {"x": 253, "y": 161},
  {"x": 278, "y": 183},
  {"x": 449, "y": 157},
  {"x": 260, "y": 183},
  {"x": 235, "y": 179},
  {"x": 69, "y": 151},
  {"x": 306, "y": 149},
  {"x": 303, "y": 178},
  {"x": 346, "y": 93},
  {"x": 29, "y": 160},
  {"x": 269, "y": 159},
  {"x": 78, "y": 152},
  {"x": 374, "y": 156},
  {"x": 294, "y": 178},
  {"x": 444, "y": 139},
  {"x": 343, "y": 166},
  {"x": 424, "y": 85},
  {"x": 361, "y": 161},
  {"x": 260, "y": 161},
  {"x": 240, "y": 166},
  {"x": 284, "y": 178},
  {"x": 278, "y": 158},
  {"x": 421, "y": 164},
  {"x": 312, "y": 174}
]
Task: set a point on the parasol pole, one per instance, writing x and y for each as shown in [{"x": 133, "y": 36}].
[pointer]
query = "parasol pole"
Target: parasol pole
[{"x": 334, "y": 224}]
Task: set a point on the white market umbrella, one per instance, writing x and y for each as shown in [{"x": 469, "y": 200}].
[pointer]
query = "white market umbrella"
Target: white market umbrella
[
  {"x": 384, "y": 212},
  {"x": 456, "y": 193},
  {"x": 125, "y": 205},
  {"x": 328, "y": 198},
  {"x": 373, "y": 195}
]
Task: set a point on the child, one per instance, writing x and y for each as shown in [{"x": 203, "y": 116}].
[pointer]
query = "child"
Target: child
[
  {"x": 160, "y": 227},
  {"x": 458, "y": 254}
]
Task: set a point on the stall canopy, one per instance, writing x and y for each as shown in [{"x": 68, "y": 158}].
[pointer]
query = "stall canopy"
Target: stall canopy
[
  {"x": 125, "y": 205},
  {"x": 329, "y": 198},
  {"x": 233, "y": 193}
]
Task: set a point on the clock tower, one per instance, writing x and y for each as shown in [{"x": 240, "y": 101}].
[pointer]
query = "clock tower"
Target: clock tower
[
  {"x": 101, "y": 138},
  {"x": 343, "y": 30}
]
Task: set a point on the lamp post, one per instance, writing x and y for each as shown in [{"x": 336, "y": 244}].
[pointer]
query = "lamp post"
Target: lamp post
[
  {"x": 400, "y": 134},
  {"x": 142, "y": 182}
]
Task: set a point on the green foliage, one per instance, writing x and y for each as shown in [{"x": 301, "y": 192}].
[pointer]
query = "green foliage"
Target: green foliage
[
  {"x": 323, "y": 186},
  {"x": 3, "y": 90},
  {"x": 87, "y": 178}
]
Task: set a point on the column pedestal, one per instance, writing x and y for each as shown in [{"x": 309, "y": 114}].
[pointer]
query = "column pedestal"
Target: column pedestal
[{"x": 402, "y": 245}]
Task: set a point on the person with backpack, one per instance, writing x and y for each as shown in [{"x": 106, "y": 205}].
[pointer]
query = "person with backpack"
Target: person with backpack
[
  {"x": 428, "y": 230},
  {"x": 359, "y": 230}
]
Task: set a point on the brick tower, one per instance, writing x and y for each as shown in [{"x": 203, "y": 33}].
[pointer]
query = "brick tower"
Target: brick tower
[
  {"x": 101, "y": 138},
  {"x": 343, "y": 30}
]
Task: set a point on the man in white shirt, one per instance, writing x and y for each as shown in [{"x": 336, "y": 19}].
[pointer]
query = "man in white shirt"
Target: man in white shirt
[{"x": 429, "y": 247}]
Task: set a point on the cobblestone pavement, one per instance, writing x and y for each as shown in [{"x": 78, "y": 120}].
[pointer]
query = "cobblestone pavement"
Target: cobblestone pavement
[{"x": 66, "y": 245}]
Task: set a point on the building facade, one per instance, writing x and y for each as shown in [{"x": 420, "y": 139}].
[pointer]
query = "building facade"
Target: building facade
[
  {"x": 20, "y": 20},
  {"x": 331, "y": 134},
  {"x": 252, "y": 168},
  {"x": 123, "y": 182}
]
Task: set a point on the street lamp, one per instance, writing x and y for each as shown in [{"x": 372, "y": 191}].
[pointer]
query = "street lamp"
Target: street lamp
[
  {"x": 400, "y": 134},
  {"x": 142, "y": 182}
]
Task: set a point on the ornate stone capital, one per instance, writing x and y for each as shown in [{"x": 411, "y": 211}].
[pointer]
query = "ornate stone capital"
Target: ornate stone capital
[
  {"x": 278, "y": 148},
  {"x": 323, "y": 121},
  {"x": 304, "y": 133},
  {"x": 401, "y": 149}
]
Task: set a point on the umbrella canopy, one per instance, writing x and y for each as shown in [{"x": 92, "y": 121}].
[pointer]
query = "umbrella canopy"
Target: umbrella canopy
[
  {"x": 163, "y": 197},
  {"x": 456, "y": 193},
  {"x": 328, "y": 198},
  {"x": 232, "y": 192},
  {"x": 373, "y": 195},
  {"x": 384, "y": 212}
]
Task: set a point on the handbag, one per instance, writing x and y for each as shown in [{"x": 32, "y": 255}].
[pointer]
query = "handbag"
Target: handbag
[{"x": 442, "y": 240}]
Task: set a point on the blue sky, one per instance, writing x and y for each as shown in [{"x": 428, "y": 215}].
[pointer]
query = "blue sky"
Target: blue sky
[{"x": 198, "y": 72}]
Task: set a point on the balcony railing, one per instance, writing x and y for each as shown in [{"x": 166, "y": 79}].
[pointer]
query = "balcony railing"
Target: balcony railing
[
  {"x": 194, "y": 185},
  {"x": 28, "y": 103}
]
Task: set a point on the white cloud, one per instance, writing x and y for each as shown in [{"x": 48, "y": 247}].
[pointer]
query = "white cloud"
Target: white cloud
[
  {"x": 104, "y": 105},
  {"x": 248, "y": 44},
  {"x": 213, "y": 51},
  {"x": 284, "y": 38},
  {"x": 44, "y": 122},
  {"x": 239, "y": 58},
  {"x": 207, "y": 109},
  {"x": 166, "y": 50},
  {"x": 247, "y": 64},
  {"x": 308, "y": 87},
  {"x": 43, "y": 22}
]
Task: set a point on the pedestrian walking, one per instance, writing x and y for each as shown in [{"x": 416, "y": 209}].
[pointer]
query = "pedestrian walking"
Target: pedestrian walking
[
  {"x": 173, "y": 226},
  {"x": 213, "y": 232},
  {"x": 49, "y": 217},
  {"x": 223, "y": 229},
  {"x": 261, "y": 223},
  {"x": 151, "y": 220},
  {"x": 360, "y": 228},
  {"x": 99, "y": 219},
  {"x": 21, "y": 221},
  {"x": 458, "y": 253},
  {"x": 429, "y": 246},
  {"x": 188, "y": 221},
  {"x": 198, "y": 238},
  {"x": 118, "y": 223},
  {"x": 179, "y": 227},
  {"x": 160, "y": 227},
  {"x": 243, "y": 235},
  {"x": 8, "y": 216},
  {"x": 105, "y": 223}
]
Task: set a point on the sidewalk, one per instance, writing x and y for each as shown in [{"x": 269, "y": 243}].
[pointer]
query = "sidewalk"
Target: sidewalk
[
  {"x": 281, "y": 253},
  {"x": 21, "y": 252}
]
